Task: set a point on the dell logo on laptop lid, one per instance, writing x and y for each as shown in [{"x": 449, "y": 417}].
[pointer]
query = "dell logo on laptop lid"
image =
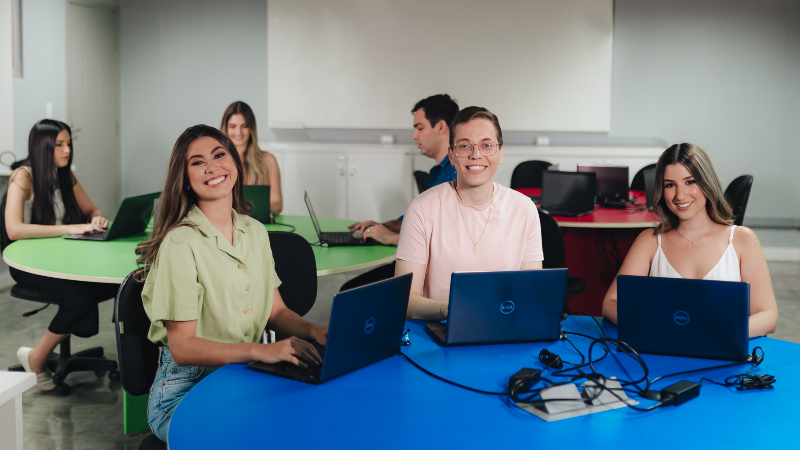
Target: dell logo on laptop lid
[
  {"x": 507, "y": 307},
  {"x": 370, "y": 325},
  {"x": 681, "y": 317}
]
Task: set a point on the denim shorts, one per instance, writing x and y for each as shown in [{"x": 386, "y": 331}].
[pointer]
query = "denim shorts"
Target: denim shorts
[{"x": 172, "y": 383}]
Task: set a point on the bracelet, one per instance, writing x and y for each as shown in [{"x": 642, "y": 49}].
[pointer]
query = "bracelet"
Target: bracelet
[{"x": 440, "y": 310}]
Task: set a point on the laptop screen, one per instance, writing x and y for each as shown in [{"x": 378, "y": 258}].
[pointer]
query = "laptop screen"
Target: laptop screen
[
  {"x": 258, "y": 196},
  {"x": 570, "y": 190},
  {"x": 649, "y": 186},
  {"x": 313, "y": 216},
  {"x": 611, "y": 180}
]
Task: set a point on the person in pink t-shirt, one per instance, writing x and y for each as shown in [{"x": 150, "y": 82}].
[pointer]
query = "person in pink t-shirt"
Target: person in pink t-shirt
[{"x": 471, "y": 224}]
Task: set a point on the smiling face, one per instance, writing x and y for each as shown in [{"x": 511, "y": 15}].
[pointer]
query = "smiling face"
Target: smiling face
[
  {"x": 681, "y": 193},
  {"x": 476, "y": 169},
  {"x": 63, "y": 149},
  {"x": 238, "y": 131},
  {"x": 211, "y": 170}
]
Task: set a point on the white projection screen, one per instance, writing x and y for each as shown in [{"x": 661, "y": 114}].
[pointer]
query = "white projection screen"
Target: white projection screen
[{"x": 540, "y": 65}]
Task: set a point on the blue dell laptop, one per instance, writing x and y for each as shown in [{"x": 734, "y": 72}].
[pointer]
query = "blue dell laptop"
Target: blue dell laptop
[
  {"x": 678, "y": 317},
  {"x": 503, "y": 307},
  {"x": 366, "y": 326}
]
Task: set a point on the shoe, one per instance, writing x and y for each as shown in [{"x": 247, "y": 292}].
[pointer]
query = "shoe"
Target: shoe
[{"x": 44, "y": 380}]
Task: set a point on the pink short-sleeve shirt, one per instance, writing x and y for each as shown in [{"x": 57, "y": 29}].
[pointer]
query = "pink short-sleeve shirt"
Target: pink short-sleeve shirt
[{"x": 434, "y": 234}]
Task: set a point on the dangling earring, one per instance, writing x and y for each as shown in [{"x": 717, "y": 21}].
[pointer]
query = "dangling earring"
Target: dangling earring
[{"x": 189, "y": 188}]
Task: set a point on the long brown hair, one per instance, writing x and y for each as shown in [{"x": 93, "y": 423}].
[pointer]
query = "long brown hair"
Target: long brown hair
[
  {"x": 254, "y": 165},
  {"x": 177, "y": 200},
  {"x": 47, "y": 177},
  {"x": 699, "y": 166}
]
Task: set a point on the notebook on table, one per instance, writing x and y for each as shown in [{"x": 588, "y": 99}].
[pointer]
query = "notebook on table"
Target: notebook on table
[
  {"x": 568, "y": 193},
  {"x": 335, "y": 238},
  {"x": 680, "y": 317},
  {"x": 132, "y": 218},
  {"x": 366, "y": 326},
  {"x": 503, "y": 307}
]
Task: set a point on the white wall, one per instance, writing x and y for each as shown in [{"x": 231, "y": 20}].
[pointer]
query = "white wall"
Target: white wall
[
  {"x": 182, "y": 62},
  {"x": 43, "y": 68},
  {"x": 719, "y": 73},
  {"x": 6, "y": 85}
]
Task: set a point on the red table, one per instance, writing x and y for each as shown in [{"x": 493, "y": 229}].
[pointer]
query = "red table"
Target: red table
[{"x": 597, "y": 244}]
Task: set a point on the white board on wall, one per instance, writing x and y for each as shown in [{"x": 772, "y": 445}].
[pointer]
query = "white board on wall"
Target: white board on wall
[{"x": 541, "y": 65}]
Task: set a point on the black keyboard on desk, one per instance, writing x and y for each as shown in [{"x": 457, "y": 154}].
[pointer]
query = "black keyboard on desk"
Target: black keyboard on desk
[{"x": 341, "y": 237}]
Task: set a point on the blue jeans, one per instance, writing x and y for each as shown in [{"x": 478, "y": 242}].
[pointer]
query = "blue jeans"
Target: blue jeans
[{"x": 172, "y": 383}]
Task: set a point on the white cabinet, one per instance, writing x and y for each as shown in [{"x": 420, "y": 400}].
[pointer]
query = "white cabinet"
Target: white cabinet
[
  {"x": 323, "y": 175},
  {"x": 379, "y": 186}
]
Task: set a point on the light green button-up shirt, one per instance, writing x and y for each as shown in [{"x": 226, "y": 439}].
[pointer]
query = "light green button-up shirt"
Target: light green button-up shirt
[{"x": 198, "y": 275}]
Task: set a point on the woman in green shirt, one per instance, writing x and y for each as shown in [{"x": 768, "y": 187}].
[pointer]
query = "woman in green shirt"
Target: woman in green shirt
[{"x": 210, "y": 283}]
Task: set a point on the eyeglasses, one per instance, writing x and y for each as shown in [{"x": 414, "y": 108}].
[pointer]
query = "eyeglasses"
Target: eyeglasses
[{"x": 486, "y": 147}]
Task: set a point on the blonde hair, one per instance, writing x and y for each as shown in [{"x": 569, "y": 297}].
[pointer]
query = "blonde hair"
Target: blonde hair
[
  {"x": 699, "y": 166},
  {"x": 255, "y": 168}
]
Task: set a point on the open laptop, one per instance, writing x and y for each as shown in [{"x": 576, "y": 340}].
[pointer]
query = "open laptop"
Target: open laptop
[
  {"x": 568, "y": 193},
  {"x": 366, "y": 326},
  {"x": 649, "y": 186},
  {"x": 336, "y": 238},
  {"x": 612, "y": 184},
  {"x": 503, "y": 307},
  {"x": 258, "y": 196},
  {"x": 679, "y": 317},
  {"x": 133, "y": 216}
]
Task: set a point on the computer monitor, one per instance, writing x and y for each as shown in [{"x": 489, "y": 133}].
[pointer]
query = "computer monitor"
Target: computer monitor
[
  {"x": 568, "y": 193},
  {"x": 611, "y": 180}
]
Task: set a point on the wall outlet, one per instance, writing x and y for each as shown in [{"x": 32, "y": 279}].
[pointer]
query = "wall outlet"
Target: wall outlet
[
  {"x": 48, "y": 110},
  {"x": 542, "y": 140},
  {"x": 387, "y": 139}
]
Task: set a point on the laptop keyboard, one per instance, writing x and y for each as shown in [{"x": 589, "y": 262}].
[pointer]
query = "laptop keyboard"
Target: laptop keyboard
[{"x": 339, "y": 237}]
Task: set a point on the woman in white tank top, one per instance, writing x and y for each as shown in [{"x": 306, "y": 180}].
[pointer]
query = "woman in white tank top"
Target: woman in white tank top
[{"x": 696, "y": 237}]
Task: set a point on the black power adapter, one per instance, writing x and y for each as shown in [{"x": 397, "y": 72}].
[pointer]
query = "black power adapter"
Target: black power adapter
[
  {"x": 524, "y": 378},
  {"x": 680, "y": 392}
]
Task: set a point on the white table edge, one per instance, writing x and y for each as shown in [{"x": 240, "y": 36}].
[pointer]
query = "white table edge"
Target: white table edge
[{"x": 23, "y": 382}]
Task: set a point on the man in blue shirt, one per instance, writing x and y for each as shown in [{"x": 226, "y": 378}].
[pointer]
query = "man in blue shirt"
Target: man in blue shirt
[{"x": 432, "y": 117}]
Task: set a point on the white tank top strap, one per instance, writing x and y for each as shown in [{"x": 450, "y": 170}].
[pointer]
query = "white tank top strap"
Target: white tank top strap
[
  {"x": 658, "y": 237},
  {"x": 730, "y": 239}
]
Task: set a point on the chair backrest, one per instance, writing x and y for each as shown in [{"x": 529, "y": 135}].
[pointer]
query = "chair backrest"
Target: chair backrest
[
  {"x": 4, "y": 239},
  {"x": 138, "y": 357},
  {"x": 422, "y": 180},
  {"x": 738, "y": 193},
  {"x": 637, "y": 184},
  {"x": 528, "y": 174},
  {"x": 297, "y": 269},
  {"x": 552, "y": 242}
]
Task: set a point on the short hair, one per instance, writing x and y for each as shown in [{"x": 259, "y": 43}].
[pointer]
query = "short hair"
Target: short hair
[
  {"x": 475, "y": 112},
  {"x": 699, "y": 165},
  {"x": 437, "y": 108}
]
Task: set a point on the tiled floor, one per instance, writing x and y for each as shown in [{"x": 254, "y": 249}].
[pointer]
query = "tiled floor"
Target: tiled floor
[{"x": 91, "y": 417}]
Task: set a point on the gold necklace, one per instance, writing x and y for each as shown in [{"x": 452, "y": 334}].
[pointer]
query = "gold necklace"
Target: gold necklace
[
  {"x": 473, "y": 207},
  {"x": 475, "y": 243},
  {"x": 701, "y": 238}
]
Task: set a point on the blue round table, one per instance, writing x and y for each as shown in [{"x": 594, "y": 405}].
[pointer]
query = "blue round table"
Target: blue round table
[{"x": 391, "y": 404}]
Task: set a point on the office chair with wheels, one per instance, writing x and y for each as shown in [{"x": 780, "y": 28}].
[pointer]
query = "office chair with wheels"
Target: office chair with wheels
[
  {"x": 138, "y": 357},
  {"x": 64, "y": 362},
  {"x": 528, "y": 174},
  {"x": 297, "y": 269},
  {"x": 637, "y": 184},
  {"x": 738, "y": 194},
  {"x": 422, "y": 180},
  {"x": 555, "y": 252}
]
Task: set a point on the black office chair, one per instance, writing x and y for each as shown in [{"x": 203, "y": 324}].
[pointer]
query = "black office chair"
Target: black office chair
[
  {"x": 64, "y": 362},
  {"x": 637, "y": 184},
  {"x": 738, "y": 194},
  {"x": 297, "y": 269},
  {"x": 555, "y": 252},
  {"x": 383, "y": 272},
  {"x": 422, "y": 180},
  {"x": 138, "y": 357},
  {"x": 528, "y": 174}
]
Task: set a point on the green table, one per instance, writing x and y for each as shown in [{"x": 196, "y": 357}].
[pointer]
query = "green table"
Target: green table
[{"x": 112, "y": 261}]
